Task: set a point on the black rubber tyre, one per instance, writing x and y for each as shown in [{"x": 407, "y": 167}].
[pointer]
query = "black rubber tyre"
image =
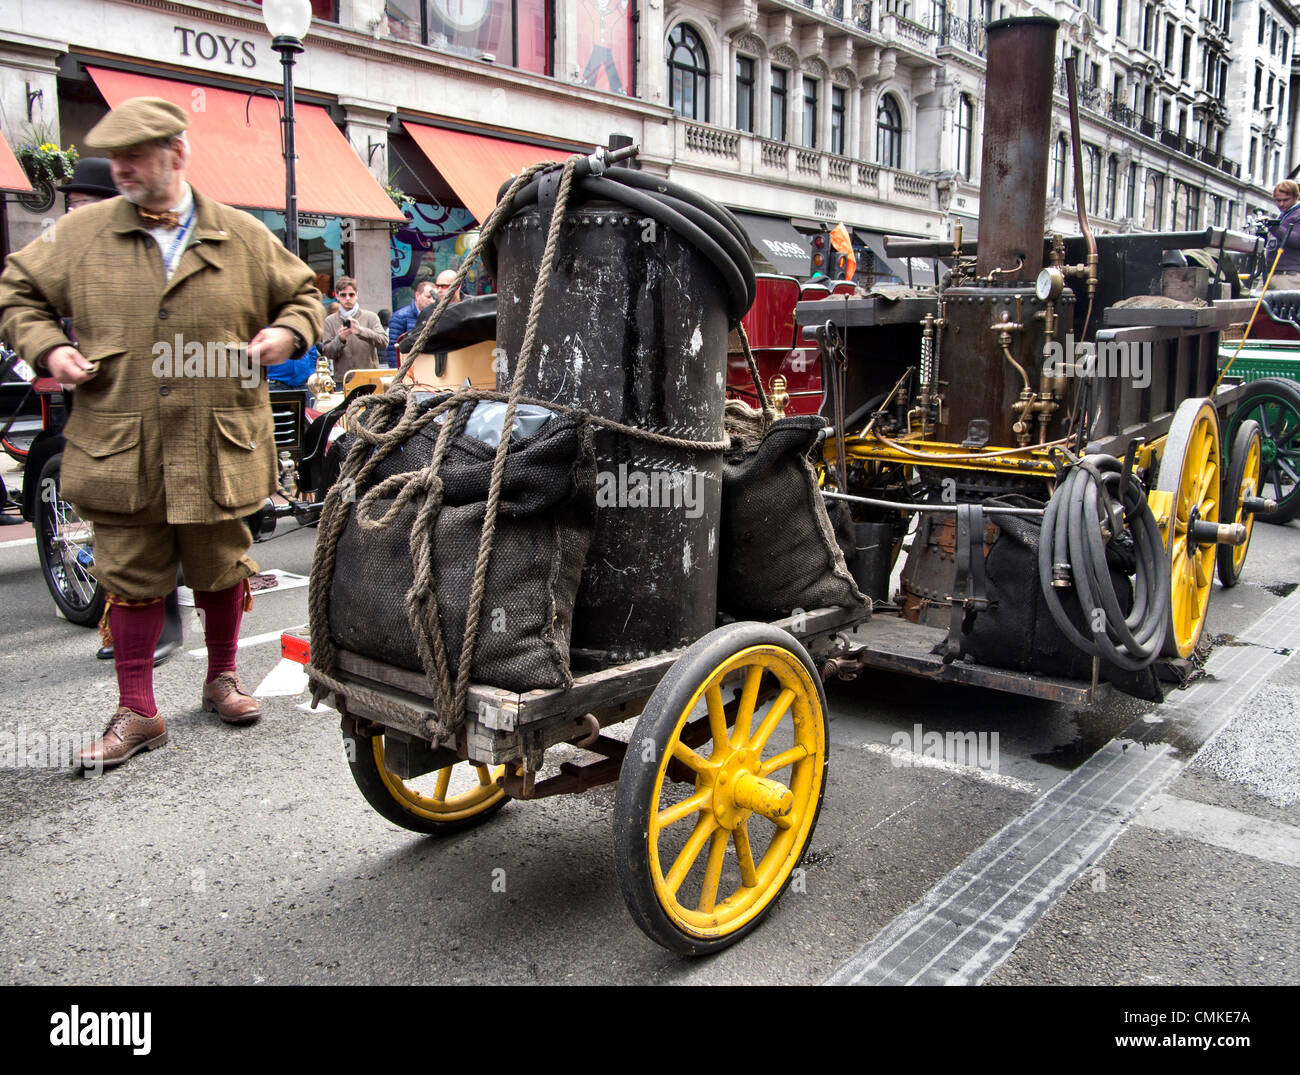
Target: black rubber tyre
[
  {"x": 66, "y": 546},
  {"x": 422, "y": 805},
  {"x": 1274, "y": 403},
  {"x": 1242, "y": 480},
  {"x": 735, "y": 789}
]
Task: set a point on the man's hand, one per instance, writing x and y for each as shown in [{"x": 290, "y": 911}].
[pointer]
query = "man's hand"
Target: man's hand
[
  {"x": 69, "y": 366},
  {"x": 272, "y": 346},
  {"x": 346, "y": 332}
]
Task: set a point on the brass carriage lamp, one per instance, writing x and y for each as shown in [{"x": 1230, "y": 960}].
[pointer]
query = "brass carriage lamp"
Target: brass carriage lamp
[{"x": 288, "y": 22}]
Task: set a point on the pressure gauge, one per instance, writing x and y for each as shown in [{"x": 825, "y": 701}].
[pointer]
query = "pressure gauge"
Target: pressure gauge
[{"x": 1050, "y": 284}]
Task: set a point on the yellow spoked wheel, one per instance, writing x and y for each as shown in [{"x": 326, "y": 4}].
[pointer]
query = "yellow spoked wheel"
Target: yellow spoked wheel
[
  {"x": 1190, "y": 470},
  {"x": 721, "y": 787},
  {"x": 438, "y": 803},
  {"x": 1245, "y": 468}
]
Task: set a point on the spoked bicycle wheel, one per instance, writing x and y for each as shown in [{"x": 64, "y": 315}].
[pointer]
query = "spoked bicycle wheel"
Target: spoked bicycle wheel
[{"x": 66, "y": 545}]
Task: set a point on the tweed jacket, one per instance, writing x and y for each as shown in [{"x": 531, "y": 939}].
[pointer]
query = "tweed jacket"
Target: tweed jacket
[
  {"x": 176, "y": 425},
  {"x": 359, "y": 351}
]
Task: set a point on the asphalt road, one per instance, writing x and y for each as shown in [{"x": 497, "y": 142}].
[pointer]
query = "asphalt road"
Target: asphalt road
[{"x": 248, "y": 856}]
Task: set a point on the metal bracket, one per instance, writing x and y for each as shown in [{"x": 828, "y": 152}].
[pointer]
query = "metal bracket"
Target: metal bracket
[
  {"x": 32, "y": 97},
  {"x": 970, "y": 591}
]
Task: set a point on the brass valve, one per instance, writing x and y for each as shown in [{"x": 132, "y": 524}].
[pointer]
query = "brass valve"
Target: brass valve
[{"x": 779, "y": 397}]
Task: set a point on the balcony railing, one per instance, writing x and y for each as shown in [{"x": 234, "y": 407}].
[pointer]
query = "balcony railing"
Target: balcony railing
[
  {"x": 748, "y": 155},
  {"x": 1102, "y": 103},
  {"x": 853, "y": 12},
  {"x": 961, "y": 33}
]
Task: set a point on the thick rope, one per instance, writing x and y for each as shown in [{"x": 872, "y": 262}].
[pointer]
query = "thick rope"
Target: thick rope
[
  {"x": 764, "y": 404},
  {"x": 507, "y": 424}
]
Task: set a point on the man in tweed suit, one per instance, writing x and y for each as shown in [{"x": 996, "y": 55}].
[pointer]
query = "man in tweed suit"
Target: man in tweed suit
[{"x": 169, "y": 445}]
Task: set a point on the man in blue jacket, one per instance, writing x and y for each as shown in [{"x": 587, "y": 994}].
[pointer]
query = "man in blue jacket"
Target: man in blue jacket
[{"x": 404, "y": 319}]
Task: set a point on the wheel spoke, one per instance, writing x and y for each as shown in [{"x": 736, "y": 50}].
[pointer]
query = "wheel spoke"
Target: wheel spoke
[
  {"x": 748, "y": 698},
  {"x": 796, "y": 753},
  {"x": 774, "y": 716},
  {"x": 745, "y": 856},
  {"x": 444, "y": 781},
  {"x": 484, "y": 777},
  {"x": 689, "y": 852},
  {"x": 688, "y": 757},
  {"x": 717, "y": 717},
  {"x": 713, "y": 871},
  {"x": 672, "y": 814}
]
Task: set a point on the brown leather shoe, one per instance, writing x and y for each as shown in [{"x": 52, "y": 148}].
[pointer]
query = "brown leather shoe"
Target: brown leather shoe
[
  {"x": 225, "y": 697},
  {"x": 127, "y": 733}
]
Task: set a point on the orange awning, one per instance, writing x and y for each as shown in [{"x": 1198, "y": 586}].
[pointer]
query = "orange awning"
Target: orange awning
[
  {"x": 12, "y": 176},
  {"x": 242, "y": 164},
  {"x": 475, "y": 166}
]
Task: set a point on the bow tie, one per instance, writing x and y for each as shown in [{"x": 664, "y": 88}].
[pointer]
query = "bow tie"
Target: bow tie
[{"x": 165, "y": 219}]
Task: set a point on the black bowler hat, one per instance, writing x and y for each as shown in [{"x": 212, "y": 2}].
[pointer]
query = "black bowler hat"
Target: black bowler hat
[{"x": 92, "y": 175}]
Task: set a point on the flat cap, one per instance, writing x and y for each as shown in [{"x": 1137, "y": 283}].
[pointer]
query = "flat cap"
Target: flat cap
[{"x": 141, "y": 119}]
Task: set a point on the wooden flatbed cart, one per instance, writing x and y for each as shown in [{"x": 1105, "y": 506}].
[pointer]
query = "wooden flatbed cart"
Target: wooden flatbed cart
[{"x": 719, "y": 783}]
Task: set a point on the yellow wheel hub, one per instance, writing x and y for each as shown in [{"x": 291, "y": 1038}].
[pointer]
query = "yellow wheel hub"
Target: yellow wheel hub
[
  {"x": 449, "y": 794},
  {"x": 723, "y": 851}
]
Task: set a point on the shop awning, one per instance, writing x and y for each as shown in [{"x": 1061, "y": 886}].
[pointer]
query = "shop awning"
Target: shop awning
[
  {"x": 12, "y": 176},
  {"x": 240, "y": 163},
  {"x": 922, "y": 269},
  {"x": 475, "y": 166},
  {"x": 777, "y": 242}
]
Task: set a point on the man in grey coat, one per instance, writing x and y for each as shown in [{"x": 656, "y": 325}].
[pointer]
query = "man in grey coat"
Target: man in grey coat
[{"x": 353, "y": 336}]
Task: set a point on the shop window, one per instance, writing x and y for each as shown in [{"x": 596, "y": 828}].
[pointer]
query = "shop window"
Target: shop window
[
  {"x": 513, "y": 33},
  {"x": 606, "y": 42}
]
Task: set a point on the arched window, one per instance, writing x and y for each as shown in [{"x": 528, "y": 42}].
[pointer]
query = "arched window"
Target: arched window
[
  {"x": 1056, "y": 171},
  {"x": 889, "y": 133},
  {"x": 965, "y": 126},
  {"x": 1153, "y": 208},
  {"x": 1091, "y": 178},
  {"x": 688, "y": 73}
]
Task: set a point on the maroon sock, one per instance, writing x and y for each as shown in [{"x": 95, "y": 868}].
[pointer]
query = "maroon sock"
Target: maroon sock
[
  {"x": 135, "y": 636},
  {"x": 223, "y": 610}
]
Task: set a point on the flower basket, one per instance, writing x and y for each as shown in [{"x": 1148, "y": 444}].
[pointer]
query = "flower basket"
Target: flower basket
[{"x": 46, "y": 162}]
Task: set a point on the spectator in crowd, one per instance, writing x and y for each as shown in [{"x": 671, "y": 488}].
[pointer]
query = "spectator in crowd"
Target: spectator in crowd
[
  {"x": 1286, "y": 235},
  {"x": 353, "y": 336},
  {"x": 404, "y": 319}
]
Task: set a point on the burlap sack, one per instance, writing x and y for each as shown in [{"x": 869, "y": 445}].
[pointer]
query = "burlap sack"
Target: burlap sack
[
  {"x": 543, "y": 528},
  {"x": 778, "y": 550}
]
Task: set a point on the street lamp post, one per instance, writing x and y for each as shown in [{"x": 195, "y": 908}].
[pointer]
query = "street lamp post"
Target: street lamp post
[{"x": 288, "y": 22}]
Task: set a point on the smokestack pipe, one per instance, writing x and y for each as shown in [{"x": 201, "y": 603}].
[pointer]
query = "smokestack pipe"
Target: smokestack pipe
[{"x": 1017, "y": 126}]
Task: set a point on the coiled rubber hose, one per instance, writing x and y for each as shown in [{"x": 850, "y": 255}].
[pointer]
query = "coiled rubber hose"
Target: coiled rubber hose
[
  {"x": 698, "y": 220},
  {"x": 1072, "y": 536}
]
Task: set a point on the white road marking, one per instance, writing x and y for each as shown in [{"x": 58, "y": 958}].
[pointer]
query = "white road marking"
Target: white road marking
[
  {"x": 16, "y": 542},
  {"x": 285, "y": 680},
  {"x": 244, "y": 643},
  {"x": 1218, "y": 826},
  {"x": 909, "y": 760}
]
